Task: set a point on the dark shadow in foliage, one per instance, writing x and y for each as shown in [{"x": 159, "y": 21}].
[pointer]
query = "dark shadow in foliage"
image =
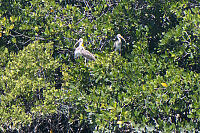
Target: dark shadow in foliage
[
  {"x": 57, "y": 123},
  {"x": 185, "y": 63},
  {"x": 153, "y": 18}
]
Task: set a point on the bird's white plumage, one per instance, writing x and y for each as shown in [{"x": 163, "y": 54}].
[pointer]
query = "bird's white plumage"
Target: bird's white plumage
[
  {"x": 80, "y": 51},
  {"x": 87, "y": 54},
  {"x": 118, "y": 44},
  {"x": 77, "y": 52}
]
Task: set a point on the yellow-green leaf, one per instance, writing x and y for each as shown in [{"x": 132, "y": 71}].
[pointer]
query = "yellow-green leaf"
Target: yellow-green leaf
[
  {"x": 173, "y": 55},
  {"x": 120, "y": 122},
  {"x": 11, "y": 19},
  {"x": 36, "y": 28},
  {"x": 14, "y": 40},
  {"x": 11, "y": 27},
  {"x": 164, "y": 84}
]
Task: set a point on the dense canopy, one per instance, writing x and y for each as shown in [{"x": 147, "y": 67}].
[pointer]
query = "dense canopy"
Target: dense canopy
[{"x": 153, "y": 84}]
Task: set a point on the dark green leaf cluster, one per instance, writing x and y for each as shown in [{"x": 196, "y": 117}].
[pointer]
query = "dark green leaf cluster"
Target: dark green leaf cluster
[{"x": 153, "y": 85}]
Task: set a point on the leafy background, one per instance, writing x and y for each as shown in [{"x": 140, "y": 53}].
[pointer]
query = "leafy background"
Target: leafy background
[{"x": 153, "y": 86}]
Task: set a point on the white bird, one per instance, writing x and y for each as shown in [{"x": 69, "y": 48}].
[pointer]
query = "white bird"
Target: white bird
[
  {"x": 118, "y": 44},
  {"x": 77, "y": 52},
  {"x": 80, "y": 51}
]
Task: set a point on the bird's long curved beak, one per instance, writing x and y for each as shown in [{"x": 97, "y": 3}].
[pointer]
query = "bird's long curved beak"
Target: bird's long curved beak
[
  {"x": 76, "y": 43},
  {"x": 122, "y": 38}
]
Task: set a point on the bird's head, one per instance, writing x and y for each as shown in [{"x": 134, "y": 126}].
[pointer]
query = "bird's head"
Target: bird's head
[
  {"x": 120, "y": 36},
  {"x": 80, "y": 41}
]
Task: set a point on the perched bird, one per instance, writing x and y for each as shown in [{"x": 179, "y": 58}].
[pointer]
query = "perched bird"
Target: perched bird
[
  {"x": 77, "y": 52},
  {"x": 81, "y": 51},
  {"x": 118, "y": 44}
]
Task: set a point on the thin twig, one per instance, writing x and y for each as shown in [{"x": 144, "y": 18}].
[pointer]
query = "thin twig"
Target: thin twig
[
  {"x": 80, "y": 20},
  {"x": 159, "y": 88},
  {"x": 20, "y": 34}
]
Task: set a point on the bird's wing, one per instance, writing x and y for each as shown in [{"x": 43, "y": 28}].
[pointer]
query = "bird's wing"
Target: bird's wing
[
  {"x": 77, "y": 52},
  {"x": 87, "y": 54},
  {"x": 114, "y": 46}
]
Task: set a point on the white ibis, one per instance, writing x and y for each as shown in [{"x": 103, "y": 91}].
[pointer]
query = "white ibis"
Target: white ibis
[
  {"x": 118, "y": 44},
  {"x": 80, "y": 51}
]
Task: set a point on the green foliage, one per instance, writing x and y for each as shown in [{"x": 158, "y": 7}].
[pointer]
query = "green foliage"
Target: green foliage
[
  {"x": 152, "y": 86},
  {"x": 27, "y": 83},
  {"x": 182, "y": 41},
  {"x": 112, "y": 90}
]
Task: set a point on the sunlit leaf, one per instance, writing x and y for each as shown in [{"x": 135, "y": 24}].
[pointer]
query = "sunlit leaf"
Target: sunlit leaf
[
  {"x": 164, "y": 84},
  {"x": 120, "y": 122}
]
